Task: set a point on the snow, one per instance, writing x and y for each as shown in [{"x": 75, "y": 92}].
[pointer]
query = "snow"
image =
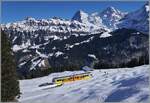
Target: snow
[
  {"x": 24, "y": 45},
  {"x": 105, "y": 15},
  {"x": 81, "y": 16},
  {"x": 113, "y": 85},
  {"x": 30, "y": 19},
  {"x": 50, "y": 54},
  {"x": 105, "y": 35},
  {"x": 56, "y": 37},
  {"x": 41, "y": 55},
  {"x": 58, "y": 53},
  {"x": 22, "y": 63},
  {"x": 16, "y": 48},
  {"x": 34, "y": 64},
  {"x": 54, "y": 48},
  {"x": 92, "y": 56},
  {"x": 147, "y": 8},
  {"x": 8, "y": 25},
  {"x": 92, "y": 22},
  {"x": 49, "y": 25},
  {"x": 110, "y": 17},
  {"x": 81, "y": 22},
  {"x": 68, "y": 46},
  {"x": 14, "y": 38},
  {"x": 35, "y": 46},
  {"x": 25, "y": 50},
  {"x": 86, "y": 68},
  {"x": 42, "y": 63},
  {"x": 137, "y": 33},
  {"x": 137, "y": 20},
  {"x": 76, "y": 35}
]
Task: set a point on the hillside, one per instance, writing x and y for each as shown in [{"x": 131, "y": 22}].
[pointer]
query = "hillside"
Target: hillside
[{"x": 113, "y": 85}]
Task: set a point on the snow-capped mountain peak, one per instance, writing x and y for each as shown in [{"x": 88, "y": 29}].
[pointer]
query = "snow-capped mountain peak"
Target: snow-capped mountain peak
[
  {"x": 81, "y": 16},
  {"x": 30, "y": 19},
  {"x": 137, "y": 20},
  {"x": 112, "y": 11},
  {"x": 111, "y": 8},
  {"x": 110, "y": 17},
  {"x": 146, "y": 6},
  {"x": 93, "y": 21}
]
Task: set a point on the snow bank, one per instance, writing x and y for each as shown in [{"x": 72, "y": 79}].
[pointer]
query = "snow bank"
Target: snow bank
[
  {"x": 92, "y": 56},
  {"x": 105, "y": 35}
]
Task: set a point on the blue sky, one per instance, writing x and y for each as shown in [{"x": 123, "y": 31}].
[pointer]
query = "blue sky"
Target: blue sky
[{"x": 14, "y": 11}]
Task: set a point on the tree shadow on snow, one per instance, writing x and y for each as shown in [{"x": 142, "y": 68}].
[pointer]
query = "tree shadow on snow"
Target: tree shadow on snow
[
  {"x": 143, "y": 98},
  {"x": 126, "y": 89},
  {"x": 121, "y": 94},
  {"x": 133, "y": 81}
]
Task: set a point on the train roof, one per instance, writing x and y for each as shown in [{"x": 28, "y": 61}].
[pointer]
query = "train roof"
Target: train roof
[{"x": 71, "y": 75}]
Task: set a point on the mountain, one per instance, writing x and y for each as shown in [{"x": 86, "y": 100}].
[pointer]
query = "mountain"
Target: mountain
[
  {"x": 111, "y": 16},
  {"x": 138, "y": 20},
  {"x": 51, "y": 25},
  {"x": 60, "y": 44},
  {"x": 102, "y": 50},
  {"x": 35, "y": 41},
  {"x": 112, "y": 19},
  {"x": 33, "y": 33},
  {"x": 92, "y": 21},
  {"x": 81, "y": 16},
  {"x": 85, "y": 18},
  {"x": 108, "y": 18}
]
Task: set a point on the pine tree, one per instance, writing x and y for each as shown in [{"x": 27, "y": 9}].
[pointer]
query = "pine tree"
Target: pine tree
[{"x": 10, "y": 84}]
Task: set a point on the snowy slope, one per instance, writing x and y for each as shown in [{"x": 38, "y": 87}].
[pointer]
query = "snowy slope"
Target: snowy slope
[
  {"x": 111, "y": 16},
  {"x": 93, "y": 21},
  {"x": 107, "y": 18},
  {"x": 81, "y": 16},
  {"x": 138, "y": 19},
  {"x": 51, "y": 25},
  {"x": 113, "y": 85}
]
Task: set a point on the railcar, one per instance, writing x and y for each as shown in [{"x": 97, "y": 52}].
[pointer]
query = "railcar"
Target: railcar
[{"x": 71, "y": 78}]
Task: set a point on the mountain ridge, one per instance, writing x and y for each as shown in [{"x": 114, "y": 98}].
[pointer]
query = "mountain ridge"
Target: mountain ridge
[{"x": 70, "y": 44}]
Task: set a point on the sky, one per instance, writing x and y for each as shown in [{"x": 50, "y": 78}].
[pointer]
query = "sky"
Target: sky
[{"x": 16, "y": 11}]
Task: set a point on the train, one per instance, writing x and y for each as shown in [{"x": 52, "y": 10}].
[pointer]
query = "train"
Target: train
[
  {"x": 59, "y": 81},
  {"x": 71, "y": 78}
]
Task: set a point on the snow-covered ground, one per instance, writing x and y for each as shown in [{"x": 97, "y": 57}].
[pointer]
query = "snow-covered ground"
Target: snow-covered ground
[{"x": 111, "y": 85}]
